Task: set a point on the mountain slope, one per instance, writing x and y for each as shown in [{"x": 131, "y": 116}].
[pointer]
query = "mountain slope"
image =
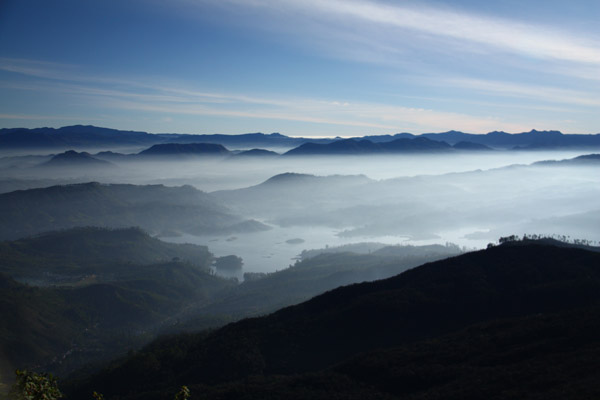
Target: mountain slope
[
  {"x": 103, "y": 291},
  {"x": 316, "y": 275},
  {"x": 154, "y": 208},
  {"x": 291, "y": 193},
  {"x": 67, "y": 256},
  {"x": 356, "y": 147},
  {"x": 587, "y": 159},
  {"x": 505, "y": 283}
]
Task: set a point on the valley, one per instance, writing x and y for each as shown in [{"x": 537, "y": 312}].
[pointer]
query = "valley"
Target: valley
[{"x": 103, "y": 253}]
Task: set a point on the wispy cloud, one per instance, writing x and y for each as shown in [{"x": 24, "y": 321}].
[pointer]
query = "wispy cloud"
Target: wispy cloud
[
  {"x": 543, "y": 94},
  {"x": 372, "y": 31},
  {"x": 340, "y": 113},
  {"x": 172, "y": 99},
  {"x": 508, "y": 35}
]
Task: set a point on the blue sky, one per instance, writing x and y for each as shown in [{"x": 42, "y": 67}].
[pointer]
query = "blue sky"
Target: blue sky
[{"x": 301, "y": 67}]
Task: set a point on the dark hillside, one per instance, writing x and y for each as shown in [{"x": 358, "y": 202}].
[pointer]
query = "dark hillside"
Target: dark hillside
[
  {"x": 505, "y": 283},
  {"x": 59, "y": 329},
  {"x": 154, "y": 208},
  {"x": 317, "y": 275},
  {"x": 69, "y": 255}
]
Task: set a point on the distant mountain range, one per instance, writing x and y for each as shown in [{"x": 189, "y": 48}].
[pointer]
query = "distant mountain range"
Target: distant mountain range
[
  {"x": 79, "y": 136},
  {"x": 531, "y": 140},
  {"x": 403, "y": 145}
]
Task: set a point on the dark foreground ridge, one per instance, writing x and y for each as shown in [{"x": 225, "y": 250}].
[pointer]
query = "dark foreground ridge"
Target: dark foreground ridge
[{"x": 512, "y": 321}]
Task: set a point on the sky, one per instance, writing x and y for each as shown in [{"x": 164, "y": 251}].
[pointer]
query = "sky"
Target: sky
[{"x": 301, "y": 67}]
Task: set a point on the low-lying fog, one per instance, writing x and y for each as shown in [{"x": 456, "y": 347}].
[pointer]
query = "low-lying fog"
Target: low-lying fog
[{"x": 469, "y": 199}]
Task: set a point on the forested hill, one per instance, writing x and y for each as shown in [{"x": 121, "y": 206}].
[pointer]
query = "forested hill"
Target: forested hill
[
  {"x": 155, "y": 208},
  {"x": 481, "y": 325},
  {"x": 70, "y": 254},
  {"x": 94, "y": 293}
]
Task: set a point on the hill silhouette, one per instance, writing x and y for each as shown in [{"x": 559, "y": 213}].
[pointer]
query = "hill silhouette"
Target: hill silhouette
[
  {"x": 185, "y": 149},
  {"x": 509, "y": 319},
  {"x": 72, "y": 158},
  {"x": 256, "y": 153},
  {"x": 587, "y": 159},
  {"x": 72, "y": 136},
  {"x": 91, "y": 136},
  {"x": 67, "y": 256},
  {"x": 357, "y": 147},
  {"x": 286, "y": 195},
  {"x": 154, "y": 208}
]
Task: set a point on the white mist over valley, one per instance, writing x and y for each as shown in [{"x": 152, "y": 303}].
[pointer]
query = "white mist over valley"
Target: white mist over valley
[{"x": 313, "y": 202}]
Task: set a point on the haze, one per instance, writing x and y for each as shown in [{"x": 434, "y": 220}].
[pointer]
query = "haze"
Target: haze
[{"x": 466, "y": 199}]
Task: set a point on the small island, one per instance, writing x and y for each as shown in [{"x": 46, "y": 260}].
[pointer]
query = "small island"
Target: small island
[{"x": 229, "y": 263}]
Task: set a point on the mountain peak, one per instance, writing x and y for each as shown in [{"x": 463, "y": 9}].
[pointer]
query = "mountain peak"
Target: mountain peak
[
  {"x": 288, "y": 177},
  {"x": 72, "y": 158},
  {"x": 536, "y": 132}
]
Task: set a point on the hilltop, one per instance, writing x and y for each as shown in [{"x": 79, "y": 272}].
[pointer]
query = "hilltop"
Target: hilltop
[
  {"x": 356, "y": 147},
  {"x": 72, "y": 158},
  {"x": 187, "y": 149}
]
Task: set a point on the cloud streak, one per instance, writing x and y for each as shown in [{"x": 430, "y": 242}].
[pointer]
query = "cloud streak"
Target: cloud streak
[
  {"x": 540, "y": 93},
  {"x": 169, "y": 99},
  {"x": 158, "y": 97},
  {"x": 495, "y": 34}
]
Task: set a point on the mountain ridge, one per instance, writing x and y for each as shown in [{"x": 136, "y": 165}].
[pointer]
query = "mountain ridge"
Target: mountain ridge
[
  {"x": 502, "y": 285},
  {"x": 88, "y": 135}
]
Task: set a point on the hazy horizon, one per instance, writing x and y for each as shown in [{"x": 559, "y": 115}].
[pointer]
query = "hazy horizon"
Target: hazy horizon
[
  {"x": 335, "y": 68},
  {"x": 469, "y": 199}
]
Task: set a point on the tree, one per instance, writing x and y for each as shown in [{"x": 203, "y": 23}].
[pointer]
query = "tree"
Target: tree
[
  {"x": 183, "y": 394},
  {"x": 33, "y": 386}
]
